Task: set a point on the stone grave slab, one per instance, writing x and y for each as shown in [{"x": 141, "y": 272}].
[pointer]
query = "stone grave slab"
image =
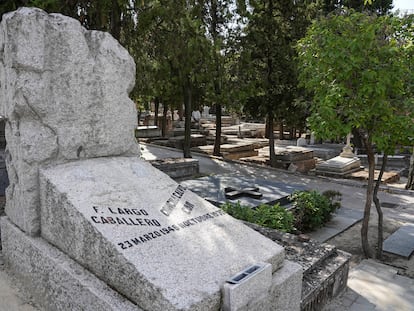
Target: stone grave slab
[
  {"x": 238, "y": 147},
  {"x": 339, "y": 165},
  {"x": 401, "y": 242},
  {"x": 293, "y": 154},
  {"x": 341, "y": 220},
  {"x": 289, "y": 154},
  {"x": 154, "y": 241},
  {"x": 177, "y": 167},
  {"x": 212, "y": 188},
  {"x": 196, "y": 140},
  {"x": 147, "y": 131},
  {"x": 387, "y": 177},
  {"x": 231, "y": 151}
]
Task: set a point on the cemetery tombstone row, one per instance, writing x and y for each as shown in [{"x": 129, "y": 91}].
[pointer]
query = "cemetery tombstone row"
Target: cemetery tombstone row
[{"x": 91, "y": 226}]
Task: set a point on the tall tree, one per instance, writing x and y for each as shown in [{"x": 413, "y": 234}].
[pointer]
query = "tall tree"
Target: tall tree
[
  {"x": 172, "y": 45},
  {"x": 267, "y": 60},
  {"x": 11, "y": 5},
  {"x": 220, "y": 18},
  {"x": 379, "y": 7},
  {"x": 355, "y": 64},
  {"x": 409, "y": 29},
  {"x": 105, "y": 15}
]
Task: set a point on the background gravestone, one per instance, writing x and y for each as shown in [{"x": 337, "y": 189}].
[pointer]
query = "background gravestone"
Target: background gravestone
[{"x": 61, "y": 87}]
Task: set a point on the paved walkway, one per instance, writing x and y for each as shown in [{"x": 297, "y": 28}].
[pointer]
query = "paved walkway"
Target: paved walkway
[
  {"x": 374, "y": 286},
  {"x": 371, "y": 286}
]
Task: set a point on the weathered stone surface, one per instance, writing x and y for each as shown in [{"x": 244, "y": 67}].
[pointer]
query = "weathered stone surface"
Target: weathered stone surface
[
  {"x": 293, "y": 154},
  {"x": 60, "y": 88},
  {"x": 286, "y": 289},
  {"x": 401, "y": 242},
  {"x": 339, "y": 165},
  {"x": 177, "y": 167},
  {"x": 106, "y": 214},
  {"x": 147, "y": 131},
  {"x": 251, "y": 293},
  {"x": 55, "y": 281}
]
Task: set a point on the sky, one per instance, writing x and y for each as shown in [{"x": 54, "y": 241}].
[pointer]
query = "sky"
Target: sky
[{"x": 403, "y": 4}]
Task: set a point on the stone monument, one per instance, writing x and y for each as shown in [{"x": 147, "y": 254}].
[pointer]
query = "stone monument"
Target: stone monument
[
  {"x": 91, "y": 226},
  {"x": 344, "y": 164},
  {"x": 347, "y": 151}
]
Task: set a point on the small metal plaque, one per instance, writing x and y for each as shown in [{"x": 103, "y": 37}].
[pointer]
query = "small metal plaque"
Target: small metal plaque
[{"x": 242, "y": 276}]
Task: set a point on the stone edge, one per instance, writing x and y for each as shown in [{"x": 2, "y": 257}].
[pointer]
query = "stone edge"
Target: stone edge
[
  {"x": 56, "y": 281},
  {"x": 286, "y": 288}
]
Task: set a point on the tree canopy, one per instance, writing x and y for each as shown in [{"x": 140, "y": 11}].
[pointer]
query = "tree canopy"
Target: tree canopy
[
  {"x": 358, "y": 68},
  {"x": 267, "y": 67}
]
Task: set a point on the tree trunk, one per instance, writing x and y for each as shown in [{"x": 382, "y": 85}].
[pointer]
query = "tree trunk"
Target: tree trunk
[
  {"x": 267, "y": 128},
  {"x": 272, "y": 154},
  {"x": 139, "y": 112},
  {"x": 157, "y": 107},
  {"x": 378, "y": 207},
  {"x": 292, "y": 133},
  {"x": 357, "y": 140},
  {"x": 180, "y": 111},
  {"x": 281, "y": 136},
  {"x": 410, "y": 181},
  {"x": 115, "y": 20},
  {"x": 217, "y": 140},
  {"x": 164, "y": 119},
  {"x": 215, "y": 30},
  {"x": 368, "y": 202},
  {"x": 187, "y": 124}
]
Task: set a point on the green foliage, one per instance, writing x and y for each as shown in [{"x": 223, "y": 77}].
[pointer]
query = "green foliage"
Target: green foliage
[
  {"x": 238, "y": 211},
  {"x": 357, "y": 66},
  {"x": 275, "y": 216},
  {"x": 312, "y": 209},
  {"x": 334, "y": 198},
  {"x": 267, "y": 65},
  {"x": 380, "y": 7}
]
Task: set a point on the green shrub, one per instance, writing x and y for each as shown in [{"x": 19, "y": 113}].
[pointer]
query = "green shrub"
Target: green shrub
[
  {"x": 312, "y": 209},
  {"x": 238, "y": 211},
  {"x": 275, "y": 217}
]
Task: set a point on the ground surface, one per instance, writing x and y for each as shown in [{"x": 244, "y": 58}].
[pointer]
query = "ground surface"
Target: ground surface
[{"x": 350, "y": 241}]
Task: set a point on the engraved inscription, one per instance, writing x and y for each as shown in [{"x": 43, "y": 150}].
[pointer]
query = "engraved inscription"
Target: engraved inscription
[
  {"x": 117, "y": 216},
  {"x": 123, "y": 216},
  {"x": 152, "y": 235},
  {"x": 173, "y": 200}
]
